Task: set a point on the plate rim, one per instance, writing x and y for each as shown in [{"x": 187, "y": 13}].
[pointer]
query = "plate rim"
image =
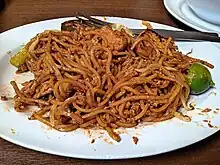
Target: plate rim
[
  {"x": 106, "y": 157},
  {"x": 166, "y": 4}
]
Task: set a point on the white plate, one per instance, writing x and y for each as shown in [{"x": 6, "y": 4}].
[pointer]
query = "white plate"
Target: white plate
[
  {"x": 153, "y": 139},
  {"x": 207, "y": 10},
  {"x": 181, "y": 11}
]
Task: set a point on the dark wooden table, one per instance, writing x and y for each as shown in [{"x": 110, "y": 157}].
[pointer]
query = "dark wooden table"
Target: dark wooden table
[{"x": 22, "y": 12}]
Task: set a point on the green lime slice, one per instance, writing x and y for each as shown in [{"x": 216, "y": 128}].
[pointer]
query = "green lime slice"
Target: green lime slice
[
  {"x": 19, "y": 58},
  {"x": 199, "y": 78}
]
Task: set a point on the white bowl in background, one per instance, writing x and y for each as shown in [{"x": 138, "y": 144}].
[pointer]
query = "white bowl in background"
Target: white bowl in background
[{"x": 208, "y": 10}]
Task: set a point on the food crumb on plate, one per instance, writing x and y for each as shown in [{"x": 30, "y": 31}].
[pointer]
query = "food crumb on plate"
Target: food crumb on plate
[
  {"x": 192, "y": 105},
  {"x": 13, "y": 131},
  {"x": 92, "y": 141},
  {"x": 4, "y": 98},
  {"x": 9, "y": 52},
  {"x": 121, "y": 131},
  {"x": 210, "y": 125},
  {"x": 206, "y": 110},
  {"x": 135, "y": 139},
  {"x": 215, "y": 112},
  {"x": 108, "y": 140},
  {"x": 206, "y": 121},
  {"x": 213, "y": 93}
]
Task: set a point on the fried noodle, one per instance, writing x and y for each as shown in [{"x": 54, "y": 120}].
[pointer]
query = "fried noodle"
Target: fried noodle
[{"x": 102, "y": 77}]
